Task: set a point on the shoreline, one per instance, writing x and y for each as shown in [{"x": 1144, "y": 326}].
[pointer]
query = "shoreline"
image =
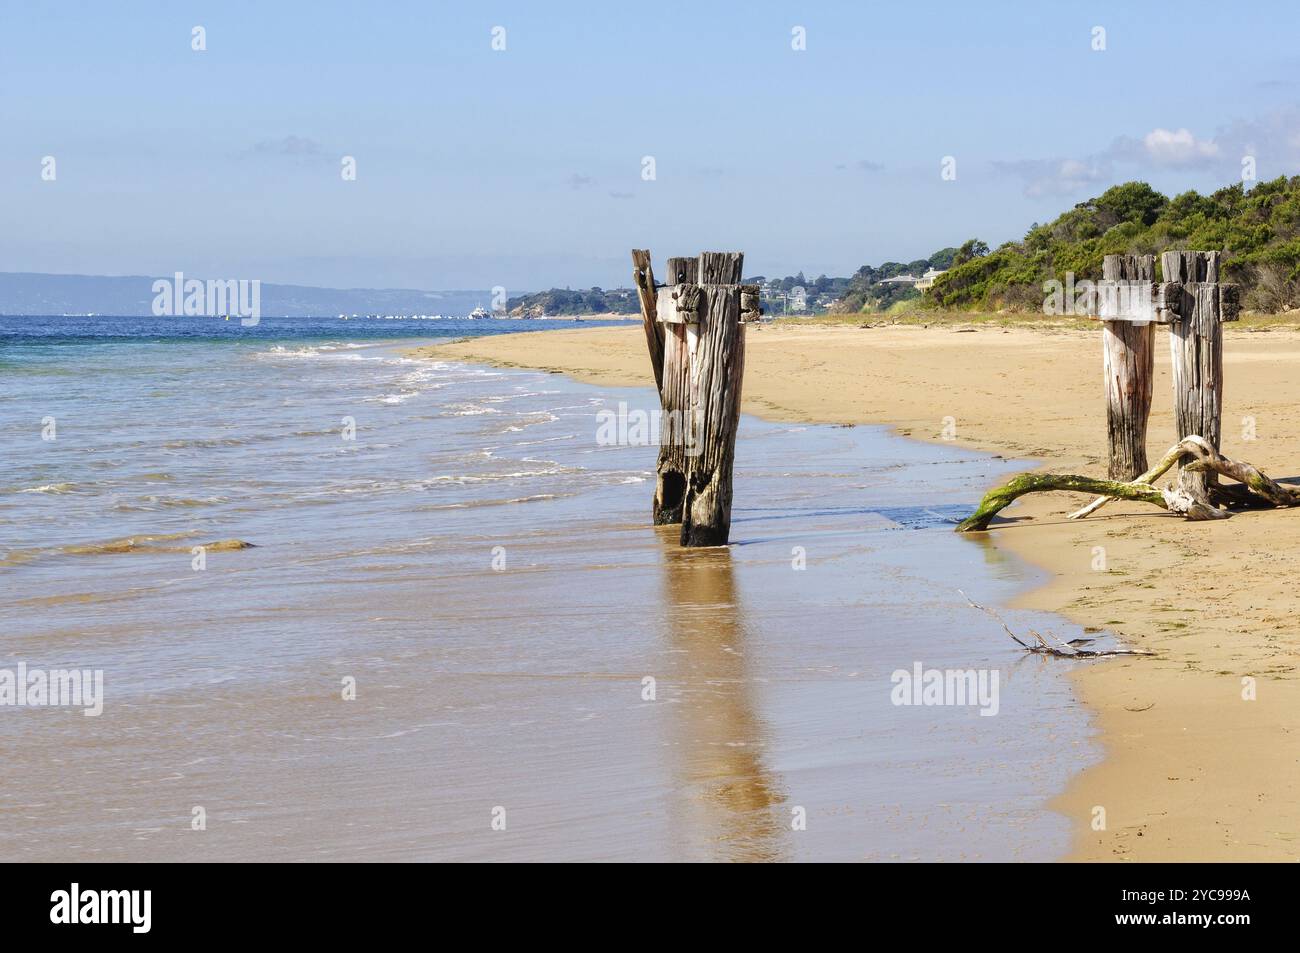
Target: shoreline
[{"x": 1191, "y": 770}]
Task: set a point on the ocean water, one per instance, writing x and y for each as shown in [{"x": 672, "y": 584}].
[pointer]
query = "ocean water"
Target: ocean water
[{"x": 454, "y": 617}]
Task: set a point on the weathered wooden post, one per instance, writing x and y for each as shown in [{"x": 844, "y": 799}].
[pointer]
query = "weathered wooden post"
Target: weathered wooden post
[
  {"x": 1192, "y": 292},
  {"x": 644, "y": 278},
  {"x": 676, "y": 426},
  {"x": 1128, "y": 335},
  {"x": 717, "y": 359},
  {"x": 699, "y": 356}
]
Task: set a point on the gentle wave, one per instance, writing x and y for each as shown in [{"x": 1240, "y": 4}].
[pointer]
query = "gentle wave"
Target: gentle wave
[
  {"x": 51, "y": 488},
  {"x": 156, "y": 543},
  {"x": 144, "y": 543}
]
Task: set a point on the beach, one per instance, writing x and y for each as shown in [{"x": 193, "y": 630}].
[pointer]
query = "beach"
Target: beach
[
  {"x": 1198, "y": 763},
  {"x": 343, "y": 603}
]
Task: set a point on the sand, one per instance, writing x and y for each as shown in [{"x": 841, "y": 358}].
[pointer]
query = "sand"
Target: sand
[{"x": 1193, "y": 770}]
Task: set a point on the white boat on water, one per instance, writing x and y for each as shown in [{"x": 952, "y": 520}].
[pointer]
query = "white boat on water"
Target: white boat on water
[{"x": 480, "y": 312}]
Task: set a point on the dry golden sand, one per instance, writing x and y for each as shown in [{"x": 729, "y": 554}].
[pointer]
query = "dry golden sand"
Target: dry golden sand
[{"x": 1192, "y": 770}]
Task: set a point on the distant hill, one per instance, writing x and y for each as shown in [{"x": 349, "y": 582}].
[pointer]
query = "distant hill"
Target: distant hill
[
  {"x": 33, "y": 293},
  {"x": 1259, "y": 230},
  {"x": 564, "y": 301}
]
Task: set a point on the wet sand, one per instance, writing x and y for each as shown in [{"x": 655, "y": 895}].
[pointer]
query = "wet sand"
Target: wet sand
[
  {"x": 455, "y": 607},
  {"x": 1192, "y": 770}
]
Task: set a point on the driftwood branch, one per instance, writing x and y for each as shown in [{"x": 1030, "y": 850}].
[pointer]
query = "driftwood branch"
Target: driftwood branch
[
  {"x": 1205, "y": 459},
  {"x": 1172, "y": 456},
  {"x": 1256, "y": 488},
  {"x": 1055, "y": 646}
]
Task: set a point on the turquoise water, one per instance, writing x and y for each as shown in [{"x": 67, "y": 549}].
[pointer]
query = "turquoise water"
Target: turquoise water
[{"x": 455, "y": 542}]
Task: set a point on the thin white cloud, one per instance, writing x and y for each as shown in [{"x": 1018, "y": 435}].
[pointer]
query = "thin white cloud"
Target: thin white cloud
[
  {"x": 1044, "y": 177},
  {"x": 863, "y": 165},
  {"x": 288, "y": 146},
  {"x": 1273, "y": 140},
  {"x": 1179, "y": 148}
]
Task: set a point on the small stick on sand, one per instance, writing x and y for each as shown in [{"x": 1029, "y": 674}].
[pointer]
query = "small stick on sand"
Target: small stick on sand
[{"x": 1060, "y": 649}]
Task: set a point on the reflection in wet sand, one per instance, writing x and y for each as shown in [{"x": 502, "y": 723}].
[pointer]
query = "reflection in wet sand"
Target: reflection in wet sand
[
  {"x": 725, "y": 798},
  {"x": 480, "y": 686}
]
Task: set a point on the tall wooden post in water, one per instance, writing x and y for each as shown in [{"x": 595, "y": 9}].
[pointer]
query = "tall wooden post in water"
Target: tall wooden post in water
[
  {"x": 698, "y": 354},
  {"x": 1128, "y": 336},
  {"x": 1193, "y": 292}
]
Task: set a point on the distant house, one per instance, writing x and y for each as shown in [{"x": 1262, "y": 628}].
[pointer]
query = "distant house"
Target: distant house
[
  {"x": 900, "y": 280},
  {"x": 927, "y": 279}
]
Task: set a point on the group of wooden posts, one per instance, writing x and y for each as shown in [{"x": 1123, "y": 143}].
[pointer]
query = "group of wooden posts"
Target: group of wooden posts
[
  {"x": 695, "y": 330},
  {"x": 694, "y": 327},
  {"x": 1194, "y": 303}
]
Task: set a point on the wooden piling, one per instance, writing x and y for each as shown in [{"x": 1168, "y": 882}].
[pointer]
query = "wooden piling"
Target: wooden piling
[
  {"x": 1192, "y": 290},
  {"x": 699, "y": 342},
  {"x": 676, "y": 429},
  {"x": 1128, "y": 360},
  {"x": 682, "y": 271},
  {"x": 643, "y": 277},
  {"x": 717, "y": 362}
]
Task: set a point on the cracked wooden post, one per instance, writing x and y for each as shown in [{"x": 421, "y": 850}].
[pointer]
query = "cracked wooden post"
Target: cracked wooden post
[
  {"x": 715, "y": 344},
  {"x": 666, "y": 341},
  {"x": 675, "y": 431},
  {"x": 697, "y": 350},
  {"x": 1193, "y": 293},
  {"x": 644, "y": 278},
  {"x": 1128, "y": 335}
]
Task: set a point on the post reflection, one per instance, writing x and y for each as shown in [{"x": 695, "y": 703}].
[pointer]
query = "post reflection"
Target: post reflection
[{"x": 727, "y": 803}]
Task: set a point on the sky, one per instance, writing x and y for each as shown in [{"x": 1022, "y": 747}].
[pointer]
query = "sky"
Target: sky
[{"x": 525, "y": 166}]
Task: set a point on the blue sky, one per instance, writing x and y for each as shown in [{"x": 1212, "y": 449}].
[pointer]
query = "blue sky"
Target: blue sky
[{"x": 523, "y": 167}]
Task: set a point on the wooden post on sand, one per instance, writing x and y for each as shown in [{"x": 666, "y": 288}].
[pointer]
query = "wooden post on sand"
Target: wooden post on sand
[
  {"x": 1193, "y": 292},
  {"x": 1128, "y": 359},
  {"x": 698, "y": 352}
]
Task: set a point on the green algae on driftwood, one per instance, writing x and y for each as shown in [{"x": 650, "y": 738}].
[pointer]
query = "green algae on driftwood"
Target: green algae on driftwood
[{"x": 1255, "y": 489}]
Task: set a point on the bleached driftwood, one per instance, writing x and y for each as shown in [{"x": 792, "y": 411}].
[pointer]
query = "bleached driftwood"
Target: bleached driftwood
[
  {"x": 1256, "y": 487},
  {"x": 1060, "y": 649}
]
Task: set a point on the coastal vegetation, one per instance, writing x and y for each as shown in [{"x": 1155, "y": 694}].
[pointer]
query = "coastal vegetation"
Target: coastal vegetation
[
  {"x": 1258, "y": 230},
  {"x": 871, "y": 289}
]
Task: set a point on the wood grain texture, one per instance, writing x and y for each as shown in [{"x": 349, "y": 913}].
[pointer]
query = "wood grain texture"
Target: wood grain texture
[
  {"x": 697, "y": 347},
  {"x": 720, "y": 267},
  {"x": 676, "y": 432},
  {"x": 717, "y": 369},
  {"x": 1128, "y": 362},
  {"x": 682, "y": 271},
  {"x": 643, "y": 277},
  {"x": 1196, "y": 350}
]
